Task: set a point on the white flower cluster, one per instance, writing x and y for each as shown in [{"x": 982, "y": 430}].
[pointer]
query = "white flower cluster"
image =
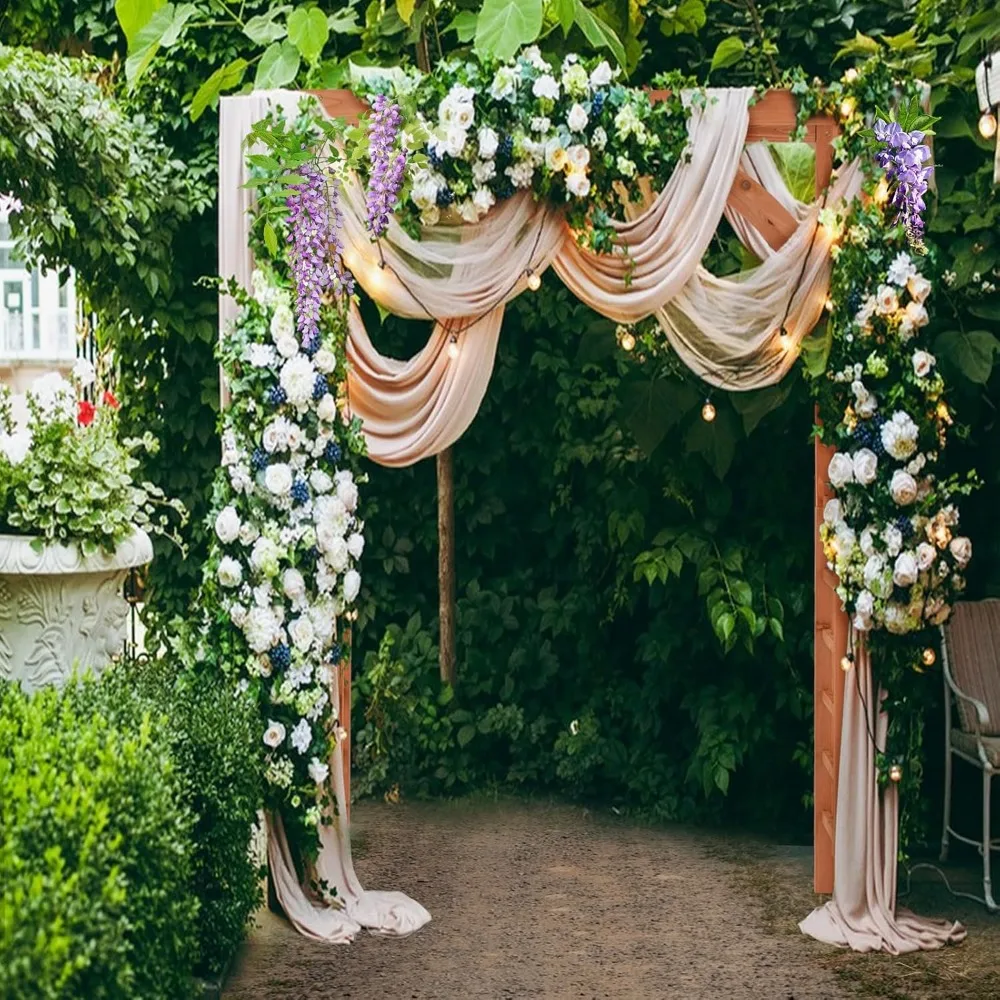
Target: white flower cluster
[
  {"x": 288, "y": 533},
  {"x": 897, "y": 562}
]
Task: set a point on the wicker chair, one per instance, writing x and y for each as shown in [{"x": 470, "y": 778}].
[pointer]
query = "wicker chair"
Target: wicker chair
[{"x": 971, "y": 667}]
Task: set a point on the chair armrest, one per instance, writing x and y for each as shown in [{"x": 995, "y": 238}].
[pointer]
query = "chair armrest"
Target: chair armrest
[{"x": 982, "y": 713}]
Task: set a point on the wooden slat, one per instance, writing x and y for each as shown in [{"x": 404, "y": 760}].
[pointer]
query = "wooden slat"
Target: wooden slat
[
  {"x": 344, "y": 701},
  {"x": 761, "y": 210}
]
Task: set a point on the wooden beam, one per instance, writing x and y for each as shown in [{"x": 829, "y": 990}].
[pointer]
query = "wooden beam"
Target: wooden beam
[
  {"x": 344, "y": 713},
  {"x": 761, "y": 209},
  {"x": 446, "y": 566}
]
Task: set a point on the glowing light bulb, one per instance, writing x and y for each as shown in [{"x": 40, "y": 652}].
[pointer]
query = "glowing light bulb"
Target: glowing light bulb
[
  {"x": 896, "y": 773},
  {"x": 627, "y": 340},
  {"x": 847, "y": 106},
  {"x": 828, "y": 305},
  {"x": 988, "y": 125},
  {"x": 708, "y": 412},
  {"x": 453, "y": 347},
  {"x": 882, "y": 192},
  {"x": 929, "y": 657},
  {"x": 846, "y": 662},
  {"x": 851, "y": 75},
  {"x": 534, "y": 282}
]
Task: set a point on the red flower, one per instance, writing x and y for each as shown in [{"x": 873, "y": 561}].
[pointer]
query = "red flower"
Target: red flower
[
  {"x": 108, "y": 399},
  {"x": 85, "y": 412}
]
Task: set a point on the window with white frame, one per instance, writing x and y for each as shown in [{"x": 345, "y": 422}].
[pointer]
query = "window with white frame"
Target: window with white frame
[{"x": 37, "y": 311}]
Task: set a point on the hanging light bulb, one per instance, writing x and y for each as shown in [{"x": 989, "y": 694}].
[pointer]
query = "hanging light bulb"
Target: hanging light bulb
[
  {"x": 882, "y": 192},
  {"x": 988, "y": 125},
  {"x": 929, "y": 657},
  {"x": 534, "y": 282},
  {"x": 896, "y": 773},
  {"x": 828, "y": 305},
  {"x": 846, "y": 662},
  {"x": 847, "y": 106},
  {"x": 851, "y": 75},
  {"x": 708, "y": 412},
  {"x": 453, "y": 347},
  {"x": 627, "y": 340}
]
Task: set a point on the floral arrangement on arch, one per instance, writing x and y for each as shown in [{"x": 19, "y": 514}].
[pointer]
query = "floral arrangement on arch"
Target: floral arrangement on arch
[
  {"x": 570, "y": 133},
  {"x": 892, "y": 534}
]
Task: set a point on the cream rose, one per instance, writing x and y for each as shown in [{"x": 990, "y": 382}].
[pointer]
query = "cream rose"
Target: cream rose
[
  {"x": 274, "y": 735},
  {"x": 229, "y": 573},
  {"x": 918, "y": 287},
  {"x": 903, "y": 488},
  {"x": 833, "y": 512},
  {"x": 840, "y": 470},
  {"x": 904, "y": 573},
  {"x": 961, "y": 550},
  {"x": 926, "y": 554},
  {"x": 886, "y": 300},
  {"x": 923, "y": 362},
  {"x": 352, "y": 585},
  {"x": 325, "y": 361},
  {"x": 865, "y": 466},
  {"x": 227, "y": 525},
  {"x": 916, "y": 314}
]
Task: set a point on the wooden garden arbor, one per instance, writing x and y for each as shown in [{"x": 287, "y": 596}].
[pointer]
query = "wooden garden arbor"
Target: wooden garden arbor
[{"x": 772, "y": 119}]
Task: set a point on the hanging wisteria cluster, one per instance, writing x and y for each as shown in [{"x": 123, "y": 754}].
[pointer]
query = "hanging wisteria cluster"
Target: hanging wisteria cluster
[
  {"x": 388, "y": 164},
  {"x": 905, "y": 157}
]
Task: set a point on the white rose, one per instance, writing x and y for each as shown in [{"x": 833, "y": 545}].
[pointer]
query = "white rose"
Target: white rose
[
  {"x": 249, "y": 533},
  {"x": 846, "y": 539},
  {"x": 298, "y": 379},
  {"x": 918, "y": 287},
  {"x": 274, "y": 735},
  {"x": 464, "y": 116},
  {"x": 840, "y": 470},
  {"x": 454, "y": 141},
  {"x": 356, "y": 545},
  {"x": 868, "y": 542},
  {"x": 278, "y": 479},
  {"x": 901, "y": 269},
  {"x": 261, "y": 355},
  {"x": 926, "y": 554},
  {"x": 294, "y": 436},
  {"x": 294, "y": 584},
  {"x": 897, "y": 619},
  {"x": 300, "y": 631},
  {"x": 833, "y": 512},
  {"x": 961, "y": 550},
  {"x": 578, "y": 156},
  {"x": 324, "y": 361},
  {"x": 264, "y": 557},
  {"x": 483, "y": 199},
  {"x": 488, "y": 143},
  {"x": 84, "y": 373},
  {"x": 578, "y": 184},
  {"x": 577, "y": 118},
  {"x": 282, "y": 324},
  {"x": 546, "y": 87},
  {"x": 865, "y": 604},
  {"x": 865, "y": 466},
  {"x": 899, "y": 435},
  {"x": 903, "y": 488},
  {"x": 238, "y": 615},
  {"x": 893, "y": 539},
  {"x": 15, "y": 447},
  {"x": 424, "y": 192},
  {"x": 504, "y": 83},
  {"x": 916, "y": 314},
  {"x": 326, "y": 410},
  {"x": 467, "y": 210},
  {"x": 318, "y": 770},
  {"x": 227, "y": 525},
  {"x": 483, "y": 170},
  {"x": 335, "y": 548},
  {"x": 904, "y": 573},
  {"x": 347, "y": 490},
  {"x": 923, "y": 362},
  {"x": 352, "y": 585},
  {"x": 886, "y": 300},
  {"x": 230, "y": 572},
  {"x": 601, "y": 75},
  {"x": 320, "y": 481}
]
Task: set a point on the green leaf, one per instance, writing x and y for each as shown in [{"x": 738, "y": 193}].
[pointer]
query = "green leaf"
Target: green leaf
[
  {"x": 600, "y": 34},
  {"x": 134, "y": 15},
  {"x": 742, "y": 591},
  {"x": 860, "y": 45},
  {"x": 688, "y": 17},
  {"x": 344, "y": 22},
  {"x": 722, "y": 779},
  {"x": 405, "y": 9},
  {"x": 715, "y": 441},
  {"x": 727, "y": 53},
  {"x": 278, "y": 66},
  {"x": 270, "y": 238},
  {"x": 308, "y": 32},
  {"x": 725, "y": 625},
  {"x": 986, "y": 310},
  {"x": 465, "y": 734},
  {"x": 503, "y": 26},
  {"x": 815, "y": 349},
  {"x": 147, "y": 43},
  {"x": 754, "y": 406},
  {"x": 224, "y": 78},
  {"x": 651, "y": 407},
  {"x": 796, "y": 163},
  {"x": 972, "y": 353},
  {"x": 464, "y": 25},
  {"x": 265, "y": 28},
  {"x": 565, "y": 11}
]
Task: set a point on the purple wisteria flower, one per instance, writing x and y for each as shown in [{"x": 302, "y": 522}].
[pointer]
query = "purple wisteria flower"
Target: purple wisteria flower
[
  {"x": 314, "y": 226},
  {"x": 387, "y": 163},
  {"x": 903, "y": 159}
]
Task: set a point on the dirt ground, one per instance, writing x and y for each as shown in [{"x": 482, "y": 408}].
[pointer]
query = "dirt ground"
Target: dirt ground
[{"x": 533, "y": 900}]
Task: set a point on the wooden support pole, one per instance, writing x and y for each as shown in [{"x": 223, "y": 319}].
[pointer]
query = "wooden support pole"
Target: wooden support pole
[
  {"x": 446, "y": 565},
  {"x": 344, "y": 719}
]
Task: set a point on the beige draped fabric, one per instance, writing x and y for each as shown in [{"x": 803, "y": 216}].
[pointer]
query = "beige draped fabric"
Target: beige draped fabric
[{"x": 862, "y": 914}]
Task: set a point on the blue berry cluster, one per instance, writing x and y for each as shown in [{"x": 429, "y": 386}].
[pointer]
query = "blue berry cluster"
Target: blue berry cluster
[
  {"x": 320, "y": 387},
  {"x": 505, "y": 189},
  {"x": 435, "y": 158},
  {"x": 335, "y": 653},
  {"x": 258, "y": 460},
  {"x": 445, "y": 196},
  {"x": 332, "y": 452},
  {"x": 280, "y": 657},
  {"x": 311, "y": 555},
  {"x": 505, "y": 148},
  {"x": 905, "y": 527},
  {"x": 868, "y": 434},
  {"x": 300, "y": 491},
  {"x": 310, "y": 345},
  {"x": 854, "y": 301},
  {"x": 276, "y": 395},
  {"x": 597, "y": 103}
]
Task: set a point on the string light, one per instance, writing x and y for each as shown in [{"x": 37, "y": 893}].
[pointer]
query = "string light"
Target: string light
[
  {"x": 988, "y": 125},
  {"x": 847, "y": 106},
  {"x": 453, "y": 347},
  {"x": 708, "y": 412},
  {"x": 627, "y": 340},
  {"x": 929, "y": 657},
  {"x": 534, "y": 282},
  {"x": 851, "y": 75},
  {"x": 896, "y": 773},
  {"x": 846, "y": 662},
  {"x": 828, "y": 305}
]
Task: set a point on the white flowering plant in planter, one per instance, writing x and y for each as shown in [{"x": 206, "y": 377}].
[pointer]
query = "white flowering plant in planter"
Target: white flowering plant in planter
[{"x": 287, "y": 536}]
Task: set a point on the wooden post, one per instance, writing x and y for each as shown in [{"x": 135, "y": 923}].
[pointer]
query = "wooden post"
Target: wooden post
[
  {"x": 344, "y": 720},
  {"x": 446, "y": 565}
]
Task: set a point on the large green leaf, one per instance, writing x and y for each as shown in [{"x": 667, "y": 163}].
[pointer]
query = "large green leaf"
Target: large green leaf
[
  {"x": 565, "y": 11},
  {"x": 715, "y": 441},
  {"x": 224, "y": 78},
  {"x": 405, "y": 9},
  {"x": 278, "y": 66},
  {"x": 600, "y": 34},
  {"x": 972, "y": 353},
  {"x": 163, "y": 28},
  {"x": 815, "y": 349},
  {"x": 503, "y": 26},
  {"x": 727, "y": 53},
  {"x": 308, "y": 32},
  {"x": 344, "y": 22},
  {"x": 754, "y": 406},
  {"x": 650, "y": 407},
  {"x": 266, "y": 28},
  {"x": 797, "y": 164},
  {"x": 464, "y": 26},
  {"x": 134, "y": 15}
]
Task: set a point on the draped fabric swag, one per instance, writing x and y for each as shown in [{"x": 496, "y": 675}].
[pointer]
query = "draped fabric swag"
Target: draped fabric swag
[{"x": 727, "y": 330}]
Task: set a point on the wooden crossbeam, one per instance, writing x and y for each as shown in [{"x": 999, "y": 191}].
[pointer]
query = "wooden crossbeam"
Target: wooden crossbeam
[{"x": 761, "y": 209}]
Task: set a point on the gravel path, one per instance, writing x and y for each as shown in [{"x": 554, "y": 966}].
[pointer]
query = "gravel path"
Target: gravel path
[{"x": 541, "y": 901}]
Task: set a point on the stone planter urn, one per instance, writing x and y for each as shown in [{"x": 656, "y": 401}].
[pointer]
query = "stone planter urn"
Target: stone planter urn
[{"x": 60, "y": 610}]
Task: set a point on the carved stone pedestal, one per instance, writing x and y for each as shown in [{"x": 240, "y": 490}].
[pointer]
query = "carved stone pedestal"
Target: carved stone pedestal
[{"x": 59, "y": 610}]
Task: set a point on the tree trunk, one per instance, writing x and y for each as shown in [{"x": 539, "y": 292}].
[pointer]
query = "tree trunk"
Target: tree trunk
[{"x": 446, "y": 564}]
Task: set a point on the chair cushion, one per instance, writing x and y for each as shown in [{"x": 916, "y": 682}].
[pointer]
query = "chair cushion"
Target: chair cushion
[
  {"x": 966, "y": 742},
  {"x": 973, "y": 637}
]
